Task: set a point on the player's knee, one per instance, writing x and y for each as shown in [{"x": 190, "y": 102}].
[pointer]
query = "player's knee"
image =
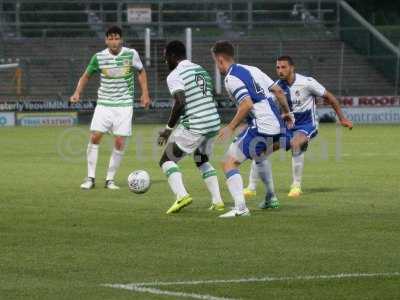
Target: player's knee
[
  {"x": 171, "y": 153},
  {"x": 304, "y": 147},
  {"x": 298, "y": 148},
  {"x": 229, "y": 164},
  {"x": 95, "y": 138},
  {"x": 119, "y": 143},
  {"x": 200, "y": 159},
  {"x": 294, "y": 145}
]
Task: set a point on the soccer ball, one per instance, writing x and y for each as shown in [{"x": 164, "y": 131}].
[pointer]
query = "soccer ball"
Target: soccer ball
[{"x": 139, "y": 182}]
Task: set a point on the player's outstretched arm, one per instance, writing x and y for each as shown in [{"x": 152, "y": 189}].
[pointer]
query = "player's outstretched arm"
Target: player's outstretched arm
[
  {"x": 80, "y": 87},
  {"x": 177, "y": 109},
  {"x": 144, "y": 98},
  {"x": 281, "y": 97},
  {"x": 332, "y": 101},
  {"x": 243, "y": 110}
]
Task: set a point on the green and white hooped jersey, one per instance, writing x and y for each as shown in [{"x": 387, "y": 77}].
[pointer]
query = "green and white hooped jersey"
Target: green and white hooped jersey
[
  {"x": 200, "y": 115},
  {"x": 116, "y": 76}
]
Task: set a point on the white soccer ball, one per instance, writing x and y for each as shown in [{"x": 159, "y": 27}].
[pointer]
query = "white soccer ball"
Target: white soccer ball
[{"x": 139, "y": 181}]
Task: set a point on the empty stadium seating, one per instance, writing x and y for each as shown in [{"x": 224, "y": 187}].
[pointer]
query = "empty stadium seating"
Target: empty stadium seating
[{"x": 52, "y": 66}]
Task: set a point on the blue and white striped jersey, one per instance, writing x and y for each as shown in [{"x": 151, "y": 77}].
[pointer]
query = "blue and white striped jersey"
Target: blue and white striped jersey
[
  {"x": 244, "y": 81},
  {"x": 301, "y": 98}
]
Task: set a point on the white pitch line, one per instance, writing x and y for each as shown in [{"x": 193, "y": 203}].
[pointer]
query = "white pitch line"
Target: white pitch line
[
  {"x": 155, "y": 291},
  {"x": 260, "y": 279}
]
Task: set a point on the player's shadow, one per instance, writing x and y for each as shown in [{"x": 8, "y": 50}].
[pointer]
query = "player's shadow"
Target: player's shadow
[
  {"x": 321, "y": 190},
  {"x": 157, "y": 181}
]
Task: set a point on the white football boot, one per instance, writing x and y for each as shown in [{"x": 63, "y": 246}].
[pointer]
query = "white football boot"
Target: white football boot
[
  {"x": 88, "y": 184},
  {"x": 236, "y": 213},
  {"x": 110, "y": 184}
]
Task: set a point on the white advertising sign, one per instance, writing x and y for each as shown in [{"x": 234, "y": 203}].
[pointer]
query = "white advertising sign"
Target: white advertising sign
[
  {"x": 366, "y": 115},
  {"x": 7, "y": 119},
  {"x": 138, "y": 14}
]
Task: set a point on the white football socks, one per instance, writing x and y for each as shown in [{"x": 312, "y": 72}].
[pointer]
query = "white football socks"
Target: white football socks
[
  {"x": 92, "y": 154},
  {"x": 297, "y": 168},
  {"x": 115, "y": 161},
  {"x": 265, "y": 172},
  {"x": 211, "y": 180},
  {"x": 235, "y": 186},
  {"x": 171, "y": 170},
  {"x": 253, "y": 177}
]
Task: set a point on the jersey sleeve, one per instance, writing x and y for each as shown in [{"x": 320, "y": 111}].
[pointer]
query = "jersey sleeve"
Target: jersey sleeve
[
  {"x": 236, "y": 88},
  {"x": 93, "y": 66},
  {"x": 315, "y": 87},
  {"x": 175, "y": 83},
  {"x": 268, "y": 81},
  {"x": 136, "y": 61}
]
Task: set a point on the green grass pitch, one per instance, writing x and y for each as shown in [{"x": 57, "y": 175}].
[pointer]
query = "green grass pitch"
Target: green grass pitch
[{"x": 58, "y": 242}]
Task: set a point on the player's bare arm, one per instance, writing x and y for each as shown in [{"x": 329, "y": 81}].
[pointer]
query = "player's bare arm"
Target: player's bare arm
[
  {"x": 144, "y": 98},
  {"x": 243, "y": 110},
  {"x": 332, "y": 101},
  {"x": 177, "y": 109},
  {"x": 287, "y": 116},
  {"x": 80, "y": 87}
]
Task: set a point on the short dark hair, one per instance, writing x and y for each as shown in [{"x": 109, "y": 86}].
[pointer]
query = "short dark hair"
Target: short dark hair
[
  {"x": 286, "y": 58},
  {"x": 114, "y": 30},
  {"x": 224, "y": 48},
  {"x": 176, "y": 48}
]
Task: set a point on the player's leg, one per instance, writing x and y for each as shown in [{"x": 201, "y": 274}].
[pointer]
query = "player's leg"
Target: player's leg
[
  {"x": 237, "y": 153},
  {"x": 234, "y": 182},
  {"x": 99, "y": 125},
  {"x": 264, "y": 170},
  {"x": 121, "y": 118},
  {"x": 261, "y": 148},
  {"x": 115, "y": 161},
  {"x": 181, "y": 143},
  {"x": 201, "y": 158},
  {"x": 92, "y": 153},
  {"x": 299, "y": 141},
  {"x": 250, "y": 190},
  {"x": 168, "y": 163}
]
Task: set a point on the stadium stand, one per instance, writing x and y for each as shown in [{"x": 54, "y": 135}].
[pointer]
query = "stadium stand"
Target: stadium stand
[{"x": 51, "y": 65}]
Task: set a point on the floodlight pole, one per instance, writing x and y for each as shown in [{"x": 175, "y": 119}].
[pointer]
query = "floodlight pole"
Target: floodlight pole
[
  {"x": 188, "y": 32},
  {"x": 147, "y": 46},
  {"x": 218, "y": 81},
  {"x": 341, "y": 69},
  {"x": 396, "y": 83}
]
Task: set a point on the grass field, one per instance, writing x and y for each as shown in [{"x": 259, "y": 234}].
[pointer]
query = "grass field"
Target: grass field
[{"x": 58, "y": 242}]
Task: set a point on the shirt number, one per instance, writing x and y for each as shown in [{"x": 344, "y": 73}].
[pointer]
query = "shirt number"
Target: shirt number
[{"x": 201, "y": 83}]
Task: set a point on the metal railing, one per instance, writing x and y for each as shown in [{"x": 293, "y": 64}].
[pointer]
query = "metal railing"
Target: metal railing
[
  {"x": 336, "y": 65},
  {"x": 368, "y": 41},
  {"x": 43, "y": 18},
  {"x": 310, "y": 31}
]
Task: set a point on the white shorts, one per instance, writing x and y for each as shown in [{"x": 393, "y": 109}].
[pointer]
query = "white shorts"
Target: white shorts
[
  {"x": 116, "y": 120},
  {"x": 189, "y": 141}
]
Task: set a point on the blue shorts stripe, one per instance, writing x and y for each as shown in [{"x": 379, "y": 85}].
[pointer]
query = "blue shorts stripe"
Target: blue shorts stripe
[
  {"x": 309, "y": 130},
  {"x": 253, "y": 144}
]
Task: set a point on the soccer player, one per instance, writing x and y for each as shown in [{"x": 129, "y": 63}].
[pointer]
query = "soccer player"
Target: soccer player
[
  {"x": 244, "y": 86},
  {"x": 116, "y": 65},
  {"x": 195, "y": 113},
  {"x": 301, "y": 92}
]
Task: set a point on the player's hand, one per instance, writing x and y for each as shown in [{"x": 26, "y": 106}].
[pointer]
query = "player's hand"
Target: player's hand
[
  {"x": 346, "y": 123},
  {"x": 289, "y": 119},
  {"x": 163, "y": 136},
  {"x": 75, "y": 98},
  {"x": 225, "y": 133},
  {"x": 145, "y": 101}
]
